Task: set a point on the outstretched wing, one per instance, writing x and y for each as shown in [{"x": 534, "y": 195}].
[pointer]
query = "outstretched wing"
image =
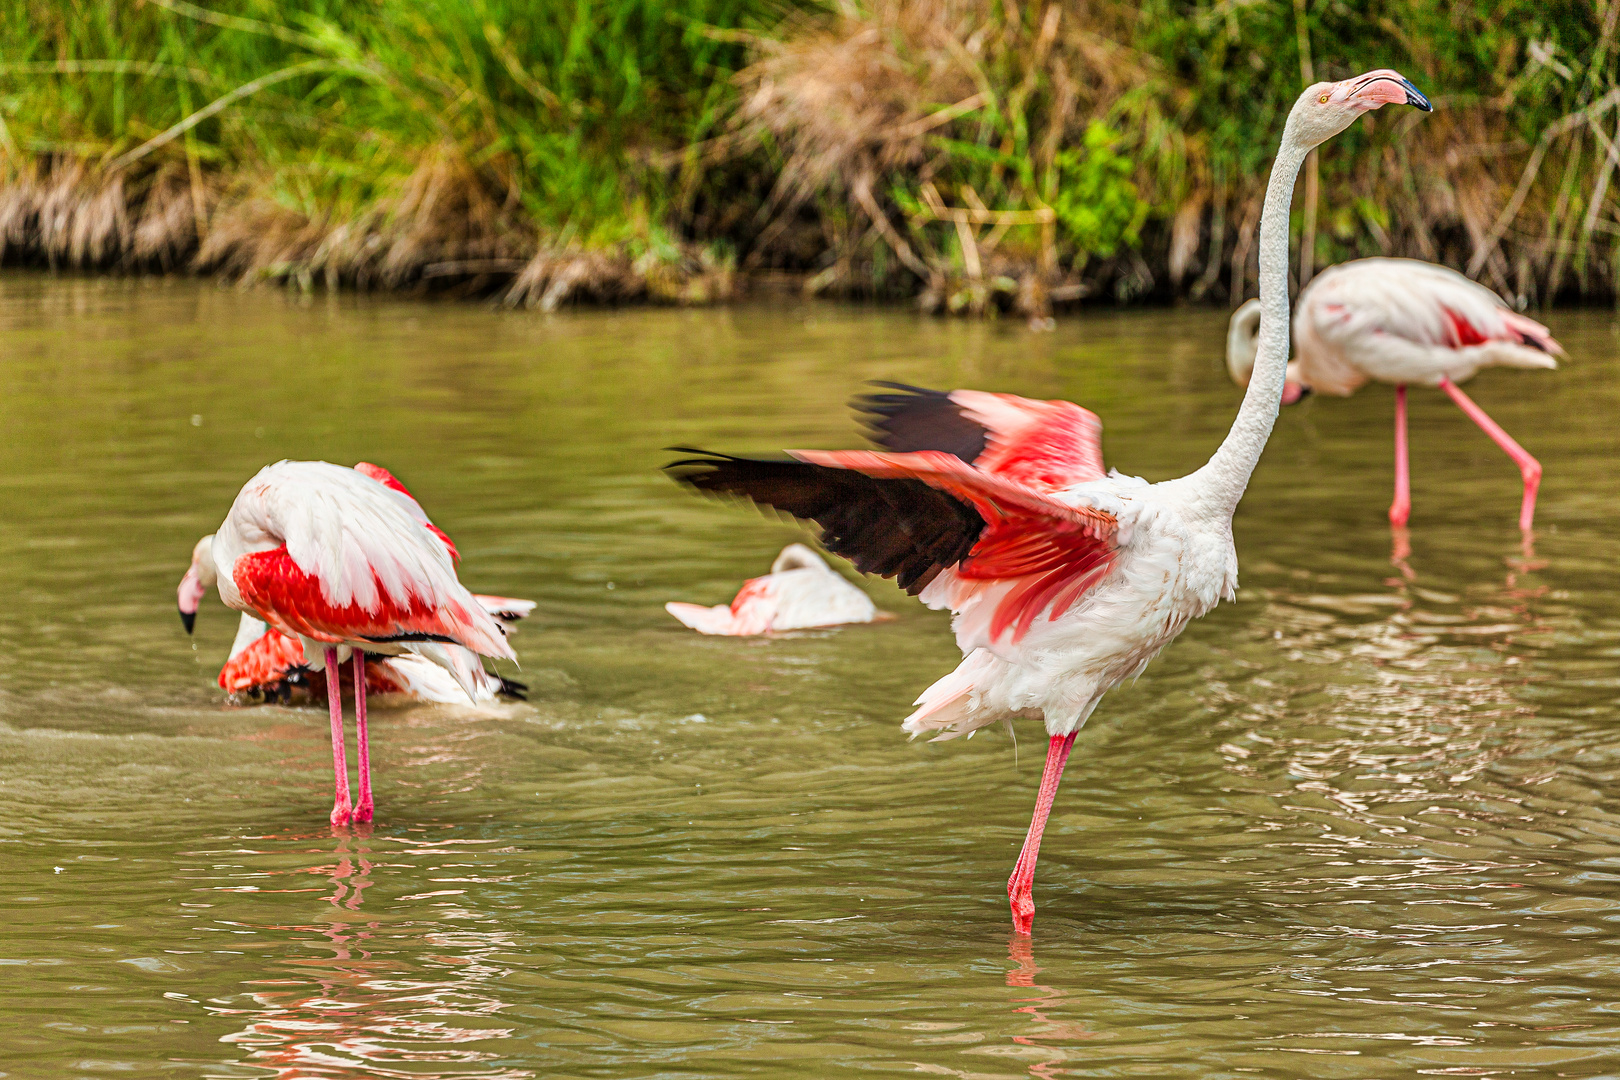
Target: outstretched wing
[
  {"x": 1048, "y": 445},
  {"x": 902, "y": 529},
  {"x": 918, "y": 515}
]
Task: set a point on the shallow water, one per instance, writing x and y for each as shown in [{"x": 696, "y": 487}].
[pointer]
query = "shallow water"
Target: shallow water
[{"x": 1363, "y": 823}]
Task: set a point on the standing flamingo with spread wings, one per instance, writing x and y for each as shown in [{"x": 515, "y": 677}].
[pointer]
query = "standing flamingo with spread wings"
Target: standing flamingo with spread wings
[
  {"x": 1064, "y": 580},
  {"x": 1401, "y": 321},
  {"x": 345, "y": 562}
]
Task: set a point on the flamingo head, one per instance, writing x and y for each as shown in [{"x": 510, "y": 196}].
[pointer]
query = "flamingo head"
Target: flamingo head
[
  {"x": 1243, "y": 345},
  {"x": 797, "y": 557},
  {"x": 1327, "y": 108},
  {"x": 201, "y": 577}
]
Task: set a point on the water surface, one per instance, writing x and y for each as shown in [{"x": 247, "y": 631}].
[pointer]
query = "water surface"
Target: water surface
[{"x": 1363, "y": 823}]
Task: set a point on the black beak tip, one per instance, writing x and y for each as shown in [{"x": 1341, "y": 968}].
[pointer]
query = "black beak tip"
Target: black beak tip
[
  {"x": 188, "y": 619},
  {"x": 1415, "y": 97}
]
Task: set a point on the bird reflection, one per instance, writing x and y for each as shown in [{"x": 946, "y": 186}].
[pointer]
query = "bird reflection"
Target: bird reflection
[
  {"x": 362, "y": 1019},
  {"x": 1021, "y": 952}
]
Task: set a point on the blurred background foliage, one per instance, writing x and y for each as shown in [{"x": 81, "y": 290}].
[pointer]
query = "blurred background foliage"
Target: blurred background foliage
[{"x": 981, "y": 155}]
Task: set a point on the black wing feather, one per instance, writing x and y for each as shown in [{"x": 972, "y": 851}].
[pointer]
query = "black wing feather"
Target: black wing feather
[
  {"x": 919, "y": 419},
  {"x": 899, "y": 528}
]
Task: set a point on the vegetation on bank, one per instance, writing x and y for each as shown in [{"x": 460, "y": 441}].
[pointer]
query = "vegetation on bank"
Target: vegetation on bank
[{"x": 978, "y": 154}]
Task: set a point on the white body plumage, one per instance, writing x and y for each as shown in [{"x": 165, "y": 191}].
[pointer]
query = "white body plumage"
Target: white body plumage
[{"x": 1175, "y": 562}]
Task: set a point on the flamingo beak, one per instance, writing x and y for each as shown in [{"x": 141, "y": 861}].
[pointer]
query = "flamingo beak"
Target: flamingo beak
[
  {"x": 1390, "y": 88},
  {"x": 1294, "y": 392},
  {"x": 191, "y": 592}
]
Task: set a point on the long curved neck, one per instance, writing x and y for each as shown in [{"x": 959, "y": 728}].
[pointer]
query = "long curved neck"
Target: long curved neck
[{"x": 1226, "y": 475}]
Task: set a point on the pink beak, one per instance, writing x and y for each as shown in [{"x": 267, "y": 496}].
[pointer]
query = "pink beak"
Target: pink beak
[
  {"x": 1293, "y": 392},
  {"x": 1386, "y": 87},
  {"x": 190, "y": 595}
]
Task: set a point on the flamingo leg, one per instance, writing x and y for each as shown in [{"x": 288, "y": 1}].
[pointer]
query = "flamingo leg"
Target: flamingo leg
[
  {"x": 1021, "y": 886},
  {"x": 1529, "y": 467},
  {"x": 340, "y": 762},
  {"x": 1401, "y": 508},
  {"x": 362, "y": 809}
]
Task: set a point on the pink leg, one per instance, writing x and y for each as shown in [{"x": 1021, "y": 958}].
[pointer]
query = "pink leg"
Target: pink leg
[
  {"x": 340, "y": 763},
  {"x": 1021, "y": 886},
  {"x": 1401, "y": 508},
  {"x": 362, "y": 810},
  {"x": 1529, "y": 467}
]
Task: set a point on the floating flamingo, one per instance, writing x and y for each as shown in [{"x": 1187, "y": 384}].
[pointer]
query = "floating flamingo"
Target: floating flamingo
[
  {"x": 1064, "y": 580},
  {"x": 799, "y": 593},
  {"x": 267, "y": 665},
  {"x": 1401, "y": 321},
  {"x": 346, "y": 562}
]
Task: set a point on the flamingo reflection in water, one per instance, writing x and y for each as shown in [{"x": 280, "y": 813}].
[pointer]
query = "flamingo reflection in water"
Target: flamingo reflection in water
[{"x": 362, "y": 1021}]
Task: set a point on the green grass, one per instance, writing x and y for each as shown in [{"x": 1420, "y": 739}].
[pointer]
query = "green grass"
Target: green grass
[
  {"x": 557, "y": 106},
  {"x": 572, "y": 125}
]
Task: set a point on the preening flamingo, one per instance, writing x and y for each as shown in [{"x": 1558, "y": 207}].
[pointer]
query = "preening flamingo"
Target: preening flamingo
[
  {"x": 799, "y": 593},
  {"x": 1064, "y": 580},
  {"x": 1402, "y": 321},
  {"x": 267, "y": 665},
  {"x": 346, "y": 562}
]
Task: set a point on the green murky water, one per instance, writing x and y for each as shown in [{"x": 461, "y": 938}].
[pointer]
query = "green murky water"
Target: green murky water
[{"x": 1364, "y": 823}]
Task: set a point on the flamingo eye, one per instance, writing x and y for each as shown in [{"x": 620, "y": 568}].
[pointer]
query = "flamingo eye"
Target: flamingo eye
[{"x": 1322, "y": 100}]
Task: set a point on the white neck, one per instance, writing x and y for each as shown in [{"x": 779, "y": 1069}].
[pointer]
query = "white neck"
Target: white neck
[{"x": 1226, "y": 475}]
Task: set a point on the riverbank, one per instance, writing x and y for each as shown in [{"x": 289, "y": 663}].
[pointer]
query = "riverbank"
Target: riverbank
[{"x": 974, "y": 156}]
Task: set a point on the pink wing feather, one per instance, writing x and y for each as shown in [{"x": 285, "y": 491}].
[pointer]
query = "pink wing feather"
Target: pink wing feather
[
  {"x": 1051, "y": 551},
  {"x": 1046, "y": 445}
]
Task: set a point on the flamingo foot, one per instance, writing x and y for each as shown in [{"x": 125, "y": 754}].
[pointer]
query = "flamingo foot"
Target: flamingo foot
[
  {"x": 1531, "y": 471},
  {"x": 1021, "y": 896}
]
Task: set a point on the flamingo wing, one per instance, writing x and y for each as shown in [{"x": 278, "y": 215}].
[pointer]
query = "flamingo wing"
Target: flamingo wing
[
  {"x": 1048, "y": 445},
  {"x": 916, "y": 516},
  {"x": 334, "y": 555},
  {"x": 1420, "y": 302},
  {"x": 389, "y": 481}
]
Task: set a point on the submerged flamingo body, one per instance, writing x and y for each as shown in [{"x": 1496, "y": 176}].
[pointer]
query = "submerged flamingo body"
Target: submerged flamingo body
[
  {"x": 346, "y": 562},
  {"x": 801, "y": 592},
  {"x": 1404, "y": 322},
  {"x": 1063, "y": 579}
]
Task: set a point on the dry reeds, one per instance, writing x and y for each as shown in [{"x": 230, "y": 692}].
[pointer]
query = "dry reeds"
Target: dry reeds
[{"x": 925, "y": 138}]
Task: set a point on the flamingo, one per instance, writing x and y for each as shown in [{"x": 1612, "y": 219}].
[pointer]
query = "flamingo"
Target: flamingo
[
  {"x": 1402, "y": 321},
  {"x": 1064, "y": 580},
  {"x": 799, "y": 593},
  {"x": 345, "y": 562},
  {"x": 267, "y": 665}
]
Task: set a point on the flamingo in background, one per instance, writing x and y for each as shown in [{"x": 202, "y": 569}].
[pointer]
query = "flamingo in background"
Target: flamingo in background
[
  {"x": 801, "y": 592},
  {"x": 1401, "y": 321},
  {"x": 267, "y": 665},
  {"x": 346, "y": 562},
  {"x": 1064, "y": 580}
]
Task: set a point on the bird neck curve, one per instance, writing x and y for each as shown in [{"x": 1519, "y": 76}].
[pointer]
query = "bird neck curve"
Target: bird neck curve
[{"x": 1226, "y": 475}]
